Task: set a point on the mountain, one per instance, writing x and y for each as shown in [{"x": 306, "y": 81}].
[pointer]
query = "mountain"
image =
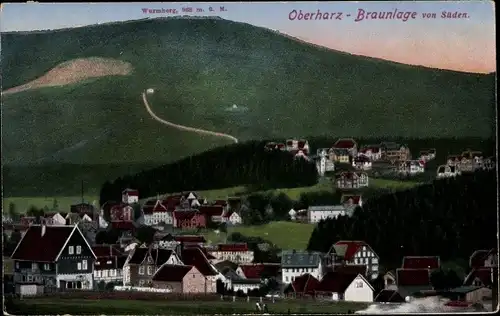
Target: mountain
[{"x": 202, "y": 70}]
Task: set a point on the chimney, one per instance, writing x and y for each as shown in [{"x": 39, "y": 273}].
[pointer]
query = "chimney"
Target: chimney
[{"x": 44, "y": 228}]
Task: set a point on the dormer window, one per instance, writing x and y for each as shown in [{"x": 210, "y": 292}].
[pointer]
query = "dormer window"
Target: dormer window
[
  {"x": 71, "y": 250},
  {"x": 78, "y": 250}
]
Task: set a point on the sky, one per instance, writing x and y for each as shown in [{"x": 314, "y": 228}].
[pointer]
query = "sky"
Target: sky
[{"x": 463, "y": 44}]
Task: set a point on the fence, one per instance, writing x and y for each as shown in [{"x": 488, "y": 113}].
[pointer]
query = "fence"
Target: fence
[{"x": 141, "y": 289}]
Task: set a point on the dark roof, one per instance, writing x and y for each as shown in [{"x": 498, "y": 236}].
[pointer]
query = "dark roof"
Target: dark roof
[
  {"x": 300, "y": 259},
  {"x": 421, "y": 262},
  {"x": 232, "y": 247},
  {"x": 35, "y": 247},
  {"x": 226, "y": 264},
  {"x": 477, "y": 259},
  {"x": 195, "y": 257},
  {"x": 190, "y": 238},
  {"x": 389, "y": 296},
  {"x": 336, "y": 282},
  {"x": 159, "y": 256},
  {"x": 350, "y": 269},
  {"x": 82, "y": 207},
  {"x": 211, "y": 210},
  {"x": 260, "y": 270},
  {"x": 413, "y": 277},
  {"x": 183, "y": 215},
  {"x": 171, "y": 273},
  {"x": 131, "y": 192},
  {"x": 305, "y": 283}
]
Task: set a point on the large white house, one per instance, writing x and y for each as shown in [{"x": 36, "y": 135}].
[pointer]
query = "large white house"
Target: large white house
[
  {"x": 155, "y": 212},
  {"x": 237, "y": 253},
  {"x": 318, "y": 213},
  {"x": 130, "y": 196},
  {"x": 296, "y": 263},
  {"x": 359, "y": 290}
]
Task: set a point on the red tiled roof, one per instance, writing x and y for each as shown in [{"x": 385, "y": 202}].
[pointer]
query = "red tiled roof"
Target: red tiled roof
[
  {"x": 35, "y": 247},
  {"x": 131, "y": 192},
  {"x": 483, "y": 274},
  {"x": 345, "y": 143},
  {"x": 305, "y": 283},
  {"x": 421, "y": 262},
  {"x": 171, "y": 273},
  {"x": 106, "y": 251},
  {"x": 182, "y": 215},
  {"x": 355, "y": 199},
  {"x": 203, "y": 249},
  {"x": 232, "y": 247},
  {"x": 257, "y": 271},
  {"x": 190, "y": 238},
  {"x": 413, "y": 277},
  {"x": 477, "y": 259},
  {"x": 211, "y": 210},
  {"x": 336, "y": 282},
  {"x": 352, "y": 247},
  {"x": 195, "y": 257}
]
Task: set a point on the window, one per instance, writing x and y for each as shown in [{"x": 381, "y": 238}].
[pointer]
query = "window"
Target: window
[
  {"x": 17, "y": 265},
  {"x": 46, "y": 266},
  {"x": 97, "y": 263},
  {"x": 104, "y": 273},
  {"x": 29, "y": 278},
  {"x": 78, "y": 250},
  {"x": 69, "y": 285},
  {"x": 84, "y": 265},
  {"x": 79, "y": 265},
  {"x": 150, "y": 270},
  {"x": 359, "y": 284},
  {"x": 33, "y": 266},
  {"x": 141, "y": 282},
  {"x": 287, "y": 279},
  {"x": 78, "y": 285},
  {"x": 141, "y": 270},
  {"x": 108, "y": 262},
  {"x": 70, "y": 250}
]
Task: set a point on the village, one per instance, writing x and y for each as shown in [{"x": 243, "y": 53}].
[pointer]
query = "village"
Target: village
[{"x": 58, "y": 250}]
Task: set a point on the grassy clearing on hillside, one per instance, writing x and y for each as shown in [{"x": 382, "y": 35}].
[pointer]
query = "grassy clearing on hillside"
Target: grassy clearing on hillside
[
  {"x": 54, "y": 306},
  {"x": 285, "y": 235}
]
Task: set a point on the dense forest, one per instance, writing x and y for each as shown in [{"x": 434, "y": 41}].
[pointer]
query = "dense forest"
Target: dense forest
[
  {"x": 246, "y": 164},
  {"x": 450, "y": 218}
]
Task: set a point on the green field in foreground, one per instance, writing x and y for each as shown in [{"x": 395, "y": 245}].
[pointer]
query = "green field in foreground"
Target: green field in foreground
[
  {"x": 64, "y": 202},
  {"x": 52, "y": 306},
  {"x": 285, "y": 235}
]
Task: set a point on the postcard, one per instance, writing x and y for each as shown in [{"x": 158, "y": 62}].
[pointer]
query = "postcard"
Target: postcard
[{"x": 236, "y": 158}]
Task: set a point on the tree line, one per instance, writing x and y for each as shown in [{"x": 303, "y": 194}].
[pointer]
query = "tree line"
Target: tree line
[
  {"x": 450, "y": 218},
  {"x": 246, "y": 164}
]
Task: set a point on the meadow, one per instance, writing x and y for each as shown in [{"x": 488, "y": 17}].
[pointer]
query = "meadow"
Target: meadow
[{"x": 53, "y": 306}]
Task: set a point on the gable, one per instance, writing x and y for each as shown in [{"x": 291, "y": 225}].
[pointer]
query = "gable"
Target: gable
[
  {"x": 76, "y": 239},
  {"x": 358, "y": 281}
]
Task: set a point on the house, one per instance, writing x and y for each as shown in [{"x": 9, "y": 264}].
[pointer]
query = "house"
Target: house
[
  {"x": 318, "y": 213},
  {"x": 238, "y": 253},
  {"x": 189, "y": 219},
  {"x": 27, "y": 221},
  {"x": 362, "y": 162},
  {"x": 142, "y": 263},
  {"x": 411, "y": 167},
  {"x": 481, "y": 276},
  {"x": 213, "y": 213},
  {"x": 245, "y": 285},
  {"x": 357, "y": 252},
  {"x": 395, "y": 152},
  {"x": 410, "y": 281},
  {"x": 54, "y": 218},
  {"x": 323, "y": 162},
  {"x": 85, "y": 208},
  {"x": 292, "y": 213},
  {"x": 345, "y": 286},
  {"x": 371, "y": 151},
  {"x": 108, "y": 266},
  {"x": 339, "y": 155},
  {"x": 195, "y": 257},
  {"x": 122, "y": 216},
  {"x": 179, "y": 278},
  {"x": 259, "y": 271},
  {"x": 130, "y": 196},
  {"x": 232, "y": 218},
  {"x": 300, "y": 154},
  {"x": 54, "y": 257},
  {"x": 390, "y": 281},
  {"x": 471, "y": 294},
  {"x": 348, "y": 200},
  {"x": 157, "y": 211},
  {"x": 351, "y": 180},
  {"x": 296, "y": 263},
  {"x": 428, "y": 154},
  {"x": 447, "y": 171},
  {"x": 389, "y": 296},
  {"x": 424, "y": 155},
  {"x": 348, "y": 144},
  {"x": 298, "y": 144},
  {"x": 484, "y": 268}
]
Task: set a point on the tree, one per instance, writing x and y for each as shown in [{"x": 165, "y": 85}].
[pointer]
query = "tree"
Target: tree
[
  {"x": 13, "y": 214},
  {"x": 101, "y": 286},
  {"x": 107, "y": 237},
  {"x": 221, "y": 289},
  {"x": 438, "y": 279},
  {"x": 136, "y": 207},
  {"x": 281, "y": 205},
  {"x": 145, "y": 234},
  {"x": 55, "y": 205}
]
